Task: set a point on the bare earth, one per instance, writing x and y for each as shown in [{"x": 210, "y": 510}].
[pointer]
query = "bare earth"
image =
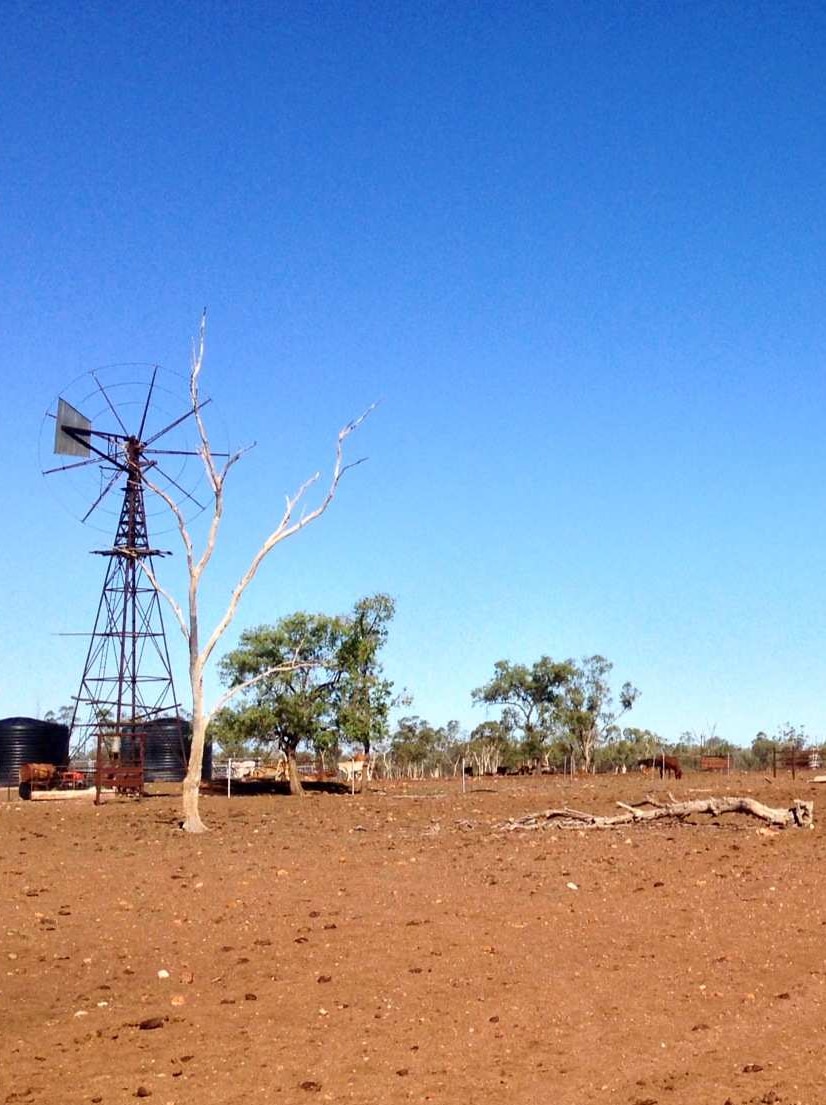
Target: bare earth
[{"x": 398, "y": 947}]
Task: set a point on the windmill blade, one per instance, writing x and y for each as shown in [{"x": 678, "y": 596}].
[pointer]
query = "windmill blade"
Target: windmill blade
[
  {"x": 179, "y": 453},
  {"x": 176, "y": 485},
  {"x": 109, "y": 403},
  {"x": 177, "y": 422},
  {"x": 115, "y": 477},
  {"x": 68, "y": 467},
  {"x": 148, "y": 400}
]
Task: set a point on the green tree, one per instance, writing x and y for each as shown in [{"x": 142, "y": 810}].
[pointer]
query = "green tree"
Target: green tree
[
  {"x": 418, "y": 748},
  {"x": 313, "y": 679},
  {"x": 718, "y": 746},
  {"x": 362, "y": 695},
  {"x": 792, "y": 736},
  {"x": 63, "y": 716},
  {"x": 561, "y": 700},
  {"x": 230, "y": 730},
  {"x": 688, "y": 744},
  {"x": 413, "y": 746},
  {"x": 292, "y": 670},
  {"x": 490, "y": 746},
  {"x": 628, "y": 746},
  {"x": 762, "y": 751},
  {"x": 586, "y": 712},
  {"x": 530, "y": 697}
]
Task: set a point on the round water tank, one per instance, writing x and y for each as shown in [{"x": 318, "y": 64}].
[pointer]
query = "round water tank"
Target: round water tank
[
  {"x": 167, "y": 741},
  {"x": 27, "y": 740}
]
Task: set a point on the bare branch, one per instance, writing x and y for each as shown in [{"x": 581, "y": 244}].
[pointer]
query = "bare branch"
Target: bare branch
[
  {"x": 178, "y": 515},
  {"x": 218, "y": 511},
  {"x": 227, "y": 696},
  {"x": 286, "y": 528},
  {"x": 174, "y": 606},
  {"x": 235, "y": 457},
  {"x": 198, "y": 349}
]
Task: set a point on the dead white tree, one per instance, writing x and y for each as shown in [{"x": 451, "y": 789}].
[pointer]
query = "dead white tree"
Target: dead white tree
[{"x": 188, "y": 619}]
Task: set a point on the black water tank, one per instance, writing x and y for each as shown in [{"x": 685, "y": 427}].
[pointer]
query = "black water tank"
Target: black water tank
[
  {"x": 167, "y": 741},
  {"x": 27, "y": 740}
]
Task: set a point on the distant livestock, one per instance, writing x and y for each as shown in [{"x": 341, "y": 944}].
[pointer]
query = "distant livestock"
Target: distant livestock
[
  {"x": 666, "y": 765},
  {"x": 353, "y": 768}
]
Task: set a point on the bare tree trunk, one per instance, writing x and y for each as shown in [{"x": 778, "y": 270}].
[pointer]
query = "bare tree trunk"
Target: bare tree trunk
[
  {"x": 296, "y": 788},
  {"x": 363, "y": 780},
  {"x": 587, "y": 749},
  {"x": 192, "y": 822}
]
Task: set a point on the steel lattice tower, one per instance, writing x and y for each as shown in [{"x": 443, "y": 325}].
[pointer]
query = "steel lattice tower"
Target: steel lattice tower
[{"x": 127, "y": 676}]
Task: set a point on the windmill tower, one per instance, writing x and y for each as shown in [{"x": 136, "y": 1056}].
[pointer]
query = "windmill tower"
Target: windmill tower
[{"x": 127, "y": 681}]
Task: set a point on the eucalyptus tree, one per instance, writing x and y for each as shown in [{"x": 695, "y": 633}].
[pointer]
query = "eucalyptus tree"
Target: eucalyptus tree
[
  {"x": 288, "y": 673},
  {"x": 565, "y": 701},
  {"x": 530, "y": 697},
  {"x": 418, "y": 748},
  {"x": 362, "y": 696},
  {"x": 626, "y": 747},
  {"x": 489, "y": 746},
  {"x": 586, "y": 711},
  {"x": 313, "y": 679}
]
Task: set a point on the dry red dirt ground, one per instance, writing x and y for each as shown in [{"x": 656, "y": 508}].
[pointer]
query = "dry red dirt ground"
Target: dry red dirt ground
[{"x": 399, "y": 947}]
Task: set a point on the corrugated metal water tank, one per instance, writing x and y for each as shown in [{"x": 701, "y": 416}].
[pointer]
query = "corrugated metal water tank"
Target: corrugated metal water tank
[
  {"x": 166, "y": 750},
  {"x": 28, "y": 740}
]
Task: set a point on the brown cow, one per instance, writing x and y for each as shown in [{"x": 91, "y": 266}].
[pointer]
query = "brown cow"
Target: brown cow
[
  {"x": 43, "y": 775},
  {"x": 666, "y": 765}
]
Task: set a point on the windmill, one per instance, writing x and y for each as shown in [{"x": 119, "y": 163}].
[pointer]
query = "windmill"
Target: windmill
[{"x": 123, "y": 439}]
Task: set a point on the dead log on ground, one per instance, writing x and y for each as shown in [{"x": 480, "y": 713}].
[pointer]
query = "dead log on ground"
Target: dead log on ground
[{"x": 801, "y": 814}]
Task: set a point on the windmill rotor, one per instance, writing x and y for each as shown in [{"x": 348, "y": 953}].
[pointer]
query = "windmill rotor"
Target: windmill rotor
[{"x": 117, "y": 420}]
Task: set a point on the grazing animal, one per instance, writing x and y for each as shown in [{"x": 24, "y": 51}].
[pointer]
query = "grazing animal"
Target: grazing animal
[
  {"x": 243, "y": 769},
  {"x": 353, "y": 768},
  {"x": 666, "y": 765}
]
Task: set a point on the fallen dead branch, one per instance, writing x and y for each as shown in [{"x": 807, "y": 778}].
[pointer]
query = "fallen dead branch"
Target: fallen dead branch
[
  {"x": 413, "y": 797},
  {"x": 801, "y": 814}
]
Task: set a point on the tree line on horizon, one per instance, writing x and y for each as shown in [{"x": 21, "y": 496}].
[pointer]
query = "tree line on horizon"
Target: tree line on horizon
[
  {"x": 326, "y": 697},
  {"x": 315, "y": 689}
]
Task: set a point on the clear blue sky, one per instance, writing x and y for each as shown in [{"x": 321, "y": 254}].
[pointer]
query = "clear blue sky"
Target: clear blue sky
[{"x": 577, "y": 249}]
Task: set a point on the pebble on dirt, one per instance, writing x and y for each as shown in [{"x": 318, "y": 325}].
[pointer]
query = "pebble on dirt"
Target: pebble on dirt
[{"x": 151, "y": 1022}]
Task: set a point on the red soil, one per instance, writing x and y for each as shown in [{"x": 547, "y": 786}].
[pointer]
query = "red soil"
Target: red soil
[{"x": 398, "y": 947}]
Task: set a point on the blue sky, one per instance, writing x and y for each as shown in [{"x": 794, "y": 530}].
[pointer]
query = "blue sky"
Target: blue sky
[{"x": 576, "y": 249}]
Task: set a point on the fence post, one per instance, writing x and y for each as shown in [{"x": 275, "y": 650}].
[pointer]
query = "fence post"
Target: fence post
[{"x": 229, "y": 776}]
